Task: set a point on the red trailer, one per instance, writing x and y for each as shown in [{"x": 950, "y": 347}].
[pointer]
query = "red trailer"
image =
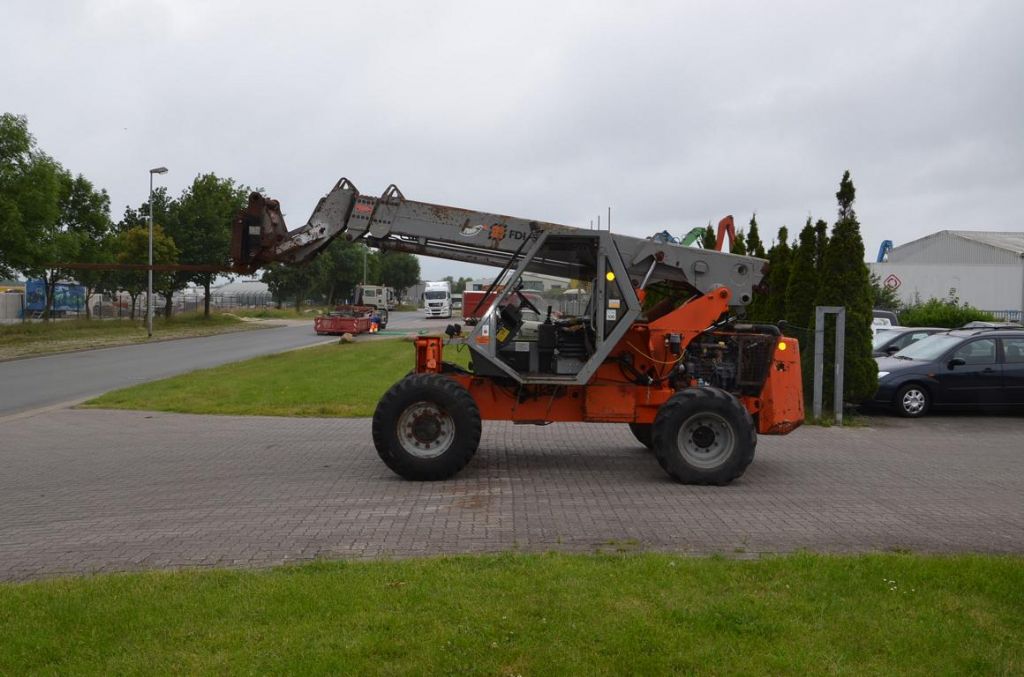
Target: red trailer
[
  {"x": 470, "y": 300},
  {"x": 345, "y": 320}
]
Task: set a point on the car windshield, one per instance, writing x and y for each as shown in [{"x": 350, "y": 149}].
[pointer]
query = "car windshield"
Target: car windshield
[
  {"x": 882, "y": 336},
  {"x": 930, "y": 347},
  {"x": 436, "y": 295}
]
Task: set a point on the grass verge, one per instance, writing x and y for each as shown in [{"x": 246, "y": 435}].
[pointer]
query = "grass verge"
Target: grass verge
[
  {"x": 531, "y": 614},
  {"x": 38, "y": 338},
  {"x": 331, "y": 380},
  {"x": 308, "y": 313}
]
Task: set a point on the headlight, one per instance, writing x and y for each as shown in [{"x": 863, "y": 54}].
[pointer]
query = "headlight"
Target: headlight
[{"x": 882, "y": 374}]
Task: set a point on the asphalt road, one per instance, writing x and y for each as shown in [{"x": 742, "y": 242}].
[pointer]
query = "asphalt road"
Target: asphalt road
[{"x": 54, "y": 379}]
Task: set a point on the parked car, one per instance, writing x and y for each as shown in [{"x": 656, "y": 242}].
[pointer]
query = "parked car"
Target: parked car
[
  {"x": 891, "y": 340},
  {"x": 882, "y": 319},
  {"x": 984, "y": 324},
  {"x": 879, "y": 324},
  {"x": 885, "y": 315},
  {"x": 969, "y": 368}
]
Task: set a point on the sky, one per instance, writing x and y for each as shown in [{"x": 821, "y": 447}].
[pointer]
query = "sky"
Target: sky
[{"x": 673, "y": 114}]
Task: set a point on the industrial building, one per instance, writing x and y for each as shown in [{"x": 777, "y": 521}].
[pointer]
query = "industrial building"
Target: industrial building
[
  {"x": 532, "y": 281},
  {"x": 984, "y": 269}
]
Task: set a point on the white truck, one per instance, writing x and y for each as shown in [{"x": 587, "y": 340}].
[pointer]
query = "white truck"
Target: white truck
[
  {"x": 375, "y": 295},
  {"x": 437, "y": 299},
  {"x": 381, "y": 298}
]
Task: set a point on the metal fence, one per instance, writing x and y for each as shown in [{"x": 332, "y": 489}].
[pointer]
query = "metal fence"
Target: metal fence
[
  {"x": 107, "y": 307},
  {"x": 1007, "y": 315},
  {"x": 248, "y": 300}
]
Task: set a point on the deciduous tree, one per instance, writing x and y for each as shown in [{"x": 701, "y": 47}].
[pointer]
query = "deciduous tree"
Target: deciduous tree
[
  {"x": 339, "y": 269},
  {"x": 83, "y": 222},
  {"x": 30, "y": 189},
  {"x": 163, "y": 209},
  {"x": 132, "y": 246},
  {"x": 85, "y": 213},
  {"x": 200, "y": 224},
  {"x": 399, "y": 270},
  {"x": 458, "y": 285},
  {"x": 292, "y": 281},
  {"x": 276, "y": 279}
]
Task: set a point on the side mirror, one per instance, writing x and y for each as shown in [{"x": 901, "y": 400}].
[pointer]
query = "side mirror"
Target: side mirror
[
  {"x": 957, "y": 362},
  {"x": 892, "y": 350}
]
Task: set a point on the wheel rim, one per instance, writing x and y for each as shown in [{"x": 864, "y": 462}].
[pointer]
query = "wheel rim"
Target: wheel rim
[
  {"x": 913, "y": 401},
  {"x": 705, "y": 440},
  {"x": 425, "y": 430}
]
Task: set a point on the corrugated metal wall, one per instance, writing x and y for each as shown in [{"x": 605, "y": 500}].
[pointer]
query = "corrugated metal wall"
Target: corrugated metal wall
[
  {"x": 945, "y": 264},
  {"x": 10, "y": 306},
  {"x": 988, "y": 287},
  {"x": 946, "y": 248}
]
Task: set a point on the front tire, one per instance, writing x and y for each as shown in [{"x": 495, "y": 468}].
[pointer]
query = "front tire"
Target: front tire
[
  {"x": 704, "y": 436},
  {"x": 426, "y": 427},
  {"x": 912, "y": 401}
]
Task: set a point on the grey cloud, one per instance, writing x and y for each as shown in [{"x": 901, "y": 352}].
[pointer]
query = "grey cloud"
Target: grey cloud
[{"x": 673, "y": 113}]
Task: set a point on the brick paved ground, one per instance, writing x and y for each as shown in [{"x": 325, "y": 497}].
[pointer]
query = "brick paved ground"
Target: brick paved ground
[{"x": 86, "y": 491}]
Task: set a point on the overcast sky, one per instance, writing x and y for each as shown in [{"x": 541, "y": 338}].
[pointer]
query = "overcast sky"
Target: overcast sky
[{"x": 671, "y": 113}]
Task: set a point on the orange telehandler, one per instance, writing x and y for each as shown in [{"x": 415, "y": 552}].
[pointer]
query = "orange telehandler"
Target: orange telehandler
[{"x": 658, "y": 344}]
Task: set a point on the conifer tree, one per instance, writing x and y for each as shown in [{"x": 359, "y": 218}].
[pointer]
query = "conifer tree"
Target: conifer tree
[
  {"x": 845, "y": 282},
  {"x": 778, "y": 278},
  {"x": 739, "y": 244},
  {"x": 803, "y": 280},
  {"x": 820, "y": 244},
  {"x": 757, "y": 311},
  {"x": 754, "y": 244},
  {"x": 707, "y": 240}
]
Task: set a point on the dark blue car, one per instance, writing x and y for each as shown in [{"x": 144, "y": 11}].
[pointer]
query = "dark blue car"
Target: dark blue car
[{"x": 964, "y": 368}]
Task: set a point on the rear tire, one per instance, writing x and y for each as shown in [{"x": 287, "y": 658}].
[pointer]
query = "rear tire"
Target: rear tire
[
  {"x": 426, "y": 427},
  {"x": 642, "y": 433},
  {"x": 704, "y": 436}
]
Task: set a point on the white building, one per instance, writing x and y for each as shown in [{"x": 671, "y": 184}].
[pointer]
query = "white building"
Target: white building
[
  {"x": 532, "y": 281},
  {"x": 984, "y": 269}
]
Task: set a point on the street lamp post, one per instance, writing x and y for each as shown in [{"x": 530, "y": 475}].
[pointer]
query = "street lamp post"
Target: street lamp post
[{"x": 149, "y": 287}]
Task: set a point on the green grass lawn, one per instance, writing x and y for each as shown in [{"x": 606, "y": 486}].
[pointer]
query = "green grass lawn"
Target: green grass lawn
[
  {"x": 37, "y": 338},
  {"x": 536, "y": 614},
  {"x": 332, "y": 380},
  {"x": 308, "y": 313}
]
